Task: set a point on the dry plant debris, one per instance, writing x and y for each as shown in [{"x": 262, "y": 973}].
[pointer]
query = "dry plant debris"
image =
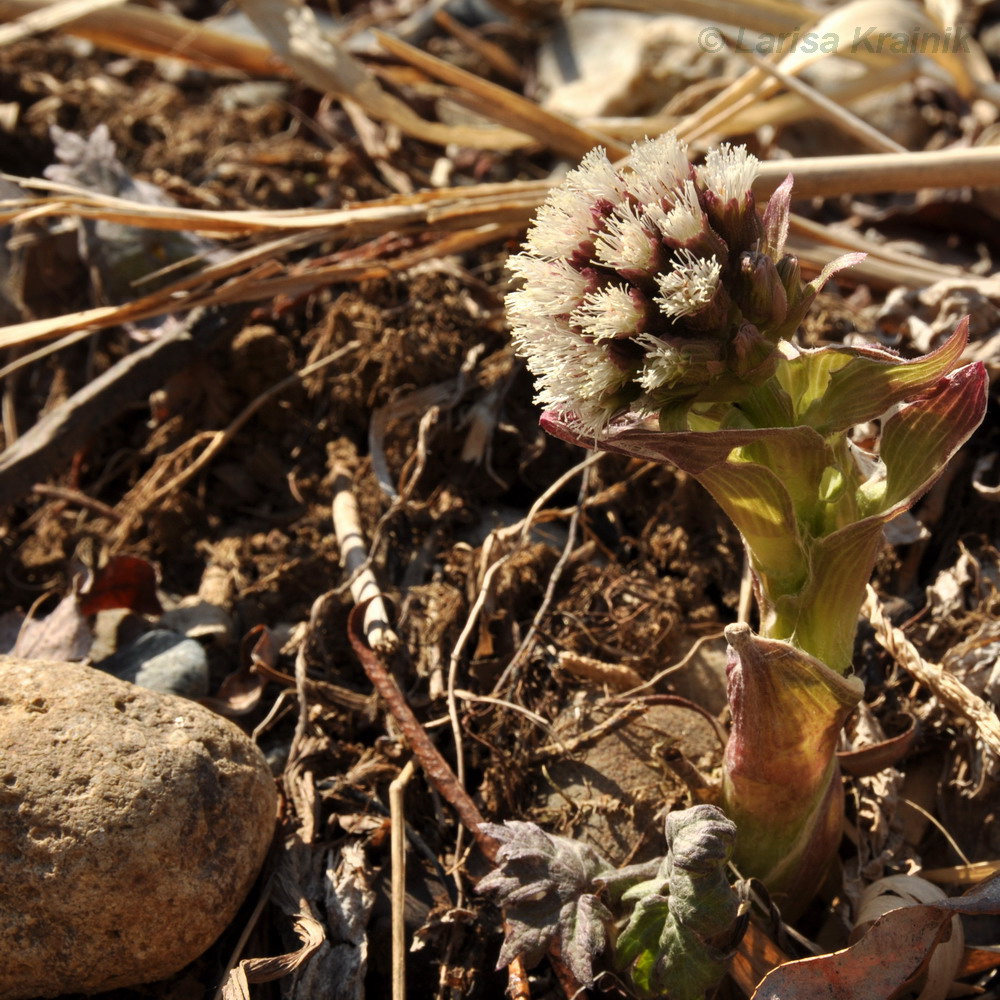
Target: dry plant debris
[{"x": 331, "y": 346}]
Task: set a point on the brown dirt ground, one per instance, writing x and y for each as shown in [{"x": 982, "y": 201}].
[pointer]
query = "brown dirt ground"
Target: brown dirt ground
[{"x": 653, "y": 568}]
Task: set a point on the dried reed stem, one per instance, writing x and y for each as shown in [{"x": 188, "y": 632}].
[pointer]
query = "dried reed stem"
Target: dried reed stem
[{"x": 946, "y": 687}]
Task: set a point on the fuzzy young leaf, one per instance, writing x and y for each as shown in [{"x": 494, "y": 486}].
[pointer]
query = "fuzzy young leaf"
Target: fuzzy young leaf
[
  {"x": 548, "y": 887},
  {"x": 668, "y": 945}
]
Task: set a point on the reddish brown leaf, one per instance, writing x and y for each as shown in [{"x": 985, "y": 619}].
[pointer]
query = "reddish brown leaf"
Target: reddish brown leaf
[
  {"x": 878, "y": 756},
  {"x": 241, "y": 691},
  {"x": 125, "y": 582}
]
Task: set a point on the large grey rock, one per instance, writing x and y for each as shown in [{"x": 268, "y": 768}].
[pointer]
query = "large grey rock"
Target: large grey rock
[{"x": 132, "y": 826}]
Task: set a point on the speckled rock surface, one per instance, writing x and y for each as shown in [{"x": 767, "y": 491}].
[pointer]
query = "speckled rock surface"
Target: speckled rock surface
[{"x": 132, "y": 826}]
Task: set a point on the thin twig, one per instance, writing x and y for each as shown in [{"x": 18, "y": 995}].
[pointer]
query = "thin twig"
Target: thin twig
[
  {"x": 511, "y": 670},
  {"x": 942, "y": 829},
  {"x": 397, "y": 816},
  {"x": 54, "y": 438},
  {"x": 220, "y": 439},
  {"x": 680, "y": 665},
  {"x": 621, "y": 717},
  {"x": 522, "y": 530},
  {"x": 441, "y": 776},
  {"x": 76, "y": 497},
  {"x": 537, "y": 719}
]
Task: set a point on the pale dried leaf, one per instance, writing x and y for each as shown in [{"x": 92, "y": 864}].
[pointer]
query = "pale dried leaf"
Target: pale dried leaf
[{"x": 61, "y": 635}]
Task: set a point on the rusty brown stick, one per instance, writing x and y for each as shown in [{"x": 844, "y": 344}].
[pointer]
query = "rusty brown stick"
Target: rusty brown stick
[{"x": 435, "y": 766}]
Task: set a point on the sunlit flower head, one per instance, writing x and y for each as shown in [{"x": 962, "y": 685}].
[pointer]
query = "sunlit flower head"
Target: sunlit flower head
[{"x": 639, "y": 287}]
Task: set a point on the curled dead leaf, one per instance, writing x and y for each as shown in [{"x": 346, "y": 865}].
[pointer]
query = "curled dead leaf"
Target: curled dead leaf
[{"x": 891, "y": 955}]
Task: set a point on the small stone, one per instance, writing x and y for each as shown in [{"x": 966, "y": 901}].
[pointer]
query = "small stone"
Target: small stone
[
  {"x": 162, "y": 661},
  {"x": 132, "y": 826},
  {"x": 197, "y": 618}
]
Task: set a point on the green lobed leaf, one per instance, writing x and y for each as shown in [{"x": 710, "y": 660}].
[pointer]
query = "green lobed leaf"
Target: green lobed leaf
[{"x": 639, "y": 944}]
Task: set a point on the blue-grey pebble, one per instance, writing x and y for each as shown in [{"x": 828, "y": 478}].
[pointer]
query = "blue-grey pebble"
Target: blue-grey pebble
[{"x": 162, "y": 661}]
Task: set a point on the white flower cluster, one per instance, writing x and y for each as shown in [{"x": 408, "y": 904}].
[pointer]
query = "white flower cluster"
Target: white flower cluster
[{"x": 615, "y": 266}]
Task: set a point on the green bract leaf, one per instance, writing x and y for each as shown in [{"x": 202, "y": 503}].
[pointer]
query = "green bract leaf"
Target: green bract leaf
[
  {"x": 847, "y": 386},
  {"x": 917, "y": 442},
  {"x": 920, "y": 438},
  {"x": 822, "y": 617},
  {"x": 668, "y": 947}
]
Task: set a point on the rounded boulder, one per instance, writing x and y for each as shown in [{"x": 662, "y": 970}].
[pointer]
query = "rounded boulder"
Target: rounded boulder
[{"x": 132, "y": 827}]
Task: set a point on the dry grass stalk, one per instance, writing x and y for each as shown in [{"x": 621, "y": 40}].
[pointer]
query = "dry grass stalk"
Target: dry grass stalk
[
  {"x": 147, "y": 493},
  {"x": 972, "y": 874},
  {"x": 773, "y": 16},
  {"x": 498, "y": 211},
  {"x": 821, "y": 176},
  {"x": 354, "y": 556},
  {"x": 488, "y": 51},
  {"x": 783, "y": 109},
  {"x": 323, "y": 63},
  {"x": 946, "y": 687},
  {"x": 142, "y": 31},
  {"x": 397, "y": 814},
  {"x": 549, "y": 130},
  {"x": 828, "y": 109},
  {"x": 50, "y": 17}
]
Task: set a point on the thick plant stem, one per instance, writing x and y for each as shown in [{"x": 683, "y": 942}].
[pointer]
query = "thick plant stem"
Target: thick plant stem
[{"x": 781, "y": 784}]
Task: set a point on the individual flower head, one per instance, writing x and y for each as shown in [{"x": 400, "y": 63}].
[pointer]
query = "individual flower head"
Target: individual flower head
[{"x": 655, "y": 286}]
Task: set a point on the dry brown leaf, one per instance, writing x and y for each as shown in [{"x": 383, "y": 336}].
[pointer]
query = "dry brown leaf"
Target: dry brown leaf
[
  {"x": 900, "y": 891},
  {"x": 62, "y": 635},
  {"x": 893, "y": 953}
]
